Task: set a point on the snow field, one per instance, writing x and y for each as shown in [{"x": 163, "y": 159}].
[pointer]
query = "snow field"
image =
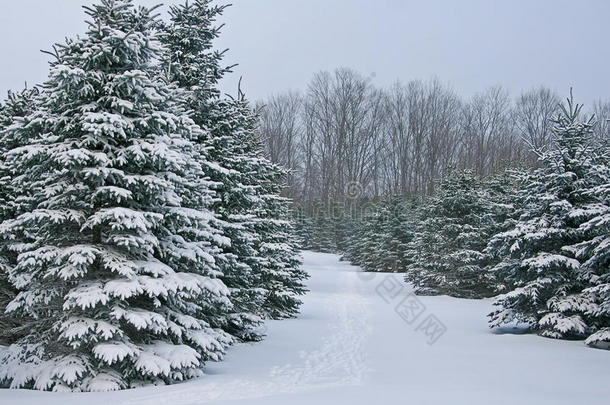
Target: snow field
[{"x": 349, "y": 345}]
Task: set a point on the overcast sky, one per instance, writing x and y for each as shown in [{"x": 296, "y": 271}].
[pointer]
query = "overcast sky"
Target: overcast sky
[{"x": 279, "y": 44}]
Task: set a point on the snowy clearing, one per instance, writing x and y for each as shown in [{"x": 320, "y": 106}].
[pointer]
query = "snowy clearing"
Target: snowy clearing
[{"x": 362, "y": 339}]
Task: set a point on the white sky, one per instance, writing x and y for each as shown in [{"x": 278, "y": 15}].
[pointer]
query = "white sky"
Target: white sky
[{"x": 279, "y": 44}]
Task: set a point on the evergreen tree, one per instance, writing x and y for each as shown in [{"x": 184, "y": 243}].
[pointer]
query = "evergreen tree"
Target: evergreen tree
[
  {"x": 396, "y": 220},
  {"x": 541, "y": 266},
  {"x": 115, "y": 267},
  {"x": 447, "y": 247},
  {"x": 357, "y": 243},
  {"x": 16, "y": 106},
  {"x": 380, "y": 237},
  {"x": 195, "y": 67},
  {"x": 255, "y": 201},
  {"x": 303, "y": 228},
  {"x": 323, "y": 237},
  {"x": 371, "y": 238},
  {"x": 387, "y": 248},
  {"x": 281, "y": 275},
  {"x": 239, "y": 170},
  {"x": 342, "y": 223},
  {"x": 594, "y": 254},
  {"x": 505, "y": 193}
]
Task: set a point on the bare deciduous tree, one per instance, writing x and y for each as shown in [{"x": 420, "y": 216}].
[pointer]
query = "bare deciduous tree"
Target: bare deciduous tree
[
  {"x": 400, "y": 140},
  {"x": 601, "y": 110},
  {"x": 281, "y": 130},
  {"x": 532, "y": 114}
]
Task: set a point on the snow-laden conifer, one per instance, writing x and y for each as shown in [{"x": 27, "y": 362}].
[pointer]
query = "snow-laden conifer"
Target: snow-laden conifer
[
  {"x": 446, "y": 251},
  {"x": 323, "y": 233},
  {"x": 240, "y": 171},
  {"x": 17, "y": 105},
  {"x": 259, "y": 217},
  {"x": 381, "y": 233},
  {"x": 193, "y": 64},
  {"x": 116, "y": 257},
  {"x": 594, "y": 254},
  {"x": 281, "y": 274},
  {"x": 542, "y": 264}
]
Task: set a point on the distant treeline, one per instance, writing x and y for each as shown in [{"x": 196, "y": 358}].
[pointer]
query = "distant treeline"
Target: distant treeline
[
  {"x": 344, "y": 131},
  {"x": 538, "y": 240}
]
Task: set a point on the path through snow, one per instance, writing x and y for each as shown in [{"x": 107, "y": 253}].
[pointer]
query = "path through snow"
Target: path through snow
[{"x": 362, "y": 339}]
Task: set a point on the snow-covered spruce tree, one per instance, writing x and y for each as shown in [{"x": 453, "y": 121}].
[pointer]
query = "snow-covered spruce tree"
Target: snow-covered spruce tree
[
  {"x": 303, "y": 228},
  {"x": 277, "y": 266},
  {"x": 239, "y": 169},
  {"x": 16, "y": 105},
  {"x": 541, "y": 264},
  {"x": 358, "y": 243},
  {"x": 388, "y": 249},
  {"x": 396, "y": 222},
  {"x": 280, "y": 275},
  {"x": 505, "y": 193},
  {"x": 370, "y": 238},
  {"x": 323, "y": 238},
  {"x": 115, "y": 272},
  {"x": 332, "y": 225},
  {"x": 259, "y": 216},
  {"x": 381, "y": 234},
  {"x": 342, "y": 223},
  {"x": 196, "y": 68},
  {"x": 353, "y": 250},
  {"x": 594, "y": 254},
  {"x": 447, "y": 248}
]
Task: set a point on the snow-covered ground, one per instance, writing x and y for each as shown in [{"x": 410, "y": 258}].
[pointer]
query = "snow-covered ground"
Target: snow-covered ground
[{"x": 363, "y": 339}]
